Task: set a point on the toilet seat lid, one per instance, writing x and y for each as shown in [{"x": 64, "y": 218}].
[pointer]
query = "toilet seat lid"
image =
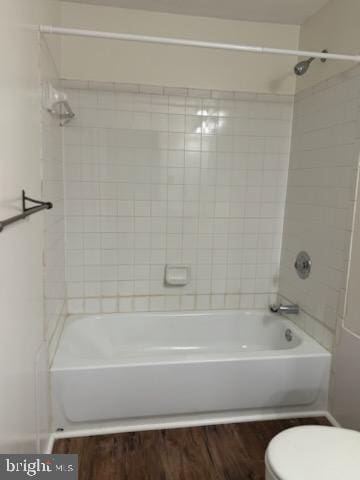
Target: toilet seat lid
[{"x": 315, "y": 453}]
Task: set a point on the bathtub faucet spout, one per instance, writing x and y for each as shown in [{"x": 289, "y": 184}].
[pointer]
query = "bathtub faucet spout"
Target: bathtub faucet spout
[{"x": 285, "y": 309}]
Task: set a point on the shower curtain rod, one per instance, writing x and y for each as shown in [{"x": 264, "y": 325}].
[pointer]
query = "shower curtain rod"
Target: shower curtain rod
[{"x": 49, "y": 29}]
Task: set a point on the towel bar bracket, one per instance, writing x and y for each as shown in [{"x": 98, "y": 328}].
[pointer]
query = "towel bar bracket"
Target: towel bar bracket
[{"x": 26, "y": 211}]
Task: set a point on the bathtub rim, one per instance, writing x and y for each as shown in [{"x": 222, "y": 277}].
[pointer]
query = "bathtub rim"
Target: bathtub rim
[{"x": 308, "y": 346}]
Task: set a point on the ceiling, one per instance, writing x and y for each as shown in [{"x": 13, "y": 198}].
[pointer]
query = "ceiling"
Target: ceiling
[{"x": 293, "y": 12}]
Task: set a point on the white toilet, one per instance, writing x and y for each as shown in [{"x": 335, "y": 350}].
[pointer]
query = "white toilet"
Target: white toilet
[{"x": 314, "y": 453}]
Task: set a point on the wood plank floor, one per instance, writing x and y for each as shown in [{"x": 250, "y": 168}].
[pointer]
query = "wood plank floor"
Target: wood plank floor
[{"x": 221, "y": 452}]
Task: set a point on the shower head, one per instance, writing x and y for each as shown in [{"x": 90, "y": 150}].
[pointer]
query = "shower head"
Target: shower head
[
  {"x": 302, "y": 67},
  {"x": 57, "y": 104}
]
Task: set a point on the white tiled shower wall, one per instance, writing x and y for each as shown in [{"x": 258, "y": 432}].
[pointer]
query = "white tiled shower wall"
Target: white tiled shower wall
[
  {"x": 54, "y": 235},
  {"x": 163, "y": 176},
  {"x": 55, "y": 304},
  {"x": 320, "y": 200}
]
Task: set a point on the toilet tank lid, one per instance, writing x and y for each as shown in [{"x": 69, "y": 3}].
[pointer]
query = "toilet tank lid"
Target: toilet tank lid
[{"x": 314, "y": 453}]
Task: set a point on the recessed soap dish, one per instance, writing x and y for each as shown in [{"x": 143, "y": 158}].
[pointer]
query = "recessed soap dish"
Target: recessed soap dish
[{"x": 177, "y": 275}]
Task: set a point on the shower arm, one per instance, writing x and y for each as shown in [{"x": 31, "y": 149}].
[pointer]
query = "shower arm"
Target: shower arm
[
  {"x": 52, "y": 30},
  {"x": 323, "y": 57}
]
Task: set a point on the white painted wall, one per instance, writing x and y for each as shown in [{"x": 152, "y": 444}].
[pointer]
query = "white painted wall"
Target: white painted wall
[
  {"x": 352, "y": 317},
  {"x": 115, "y": 61},
  {"x": 336, "y": 28},
  {"x": 21, "y": 245},
  {"x": 345, "y": 388}
]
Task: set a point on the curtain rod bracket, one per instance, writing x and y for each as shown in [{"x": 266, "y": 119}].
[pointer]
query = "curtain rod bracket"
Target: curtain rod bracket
[{"x": 26, "y": 211}]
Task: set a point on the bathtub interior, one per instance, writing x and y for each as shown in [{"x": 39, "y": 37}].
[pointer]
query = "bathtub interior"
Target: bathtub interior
[{"x": 177, "y": 335}]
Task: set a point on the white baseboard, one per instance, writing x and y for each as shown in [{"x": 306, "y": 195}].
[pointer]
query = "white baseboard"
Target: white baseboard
[
  {"x": 171, "y": 424},
  {"x": 50, "y": 444},
  {"x": 332, "y": 420}
]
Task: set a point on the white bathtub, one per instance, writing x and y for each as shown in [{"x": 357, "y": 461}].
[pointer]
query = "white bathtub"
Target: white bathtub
[{"x": 123, "y": 367}]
